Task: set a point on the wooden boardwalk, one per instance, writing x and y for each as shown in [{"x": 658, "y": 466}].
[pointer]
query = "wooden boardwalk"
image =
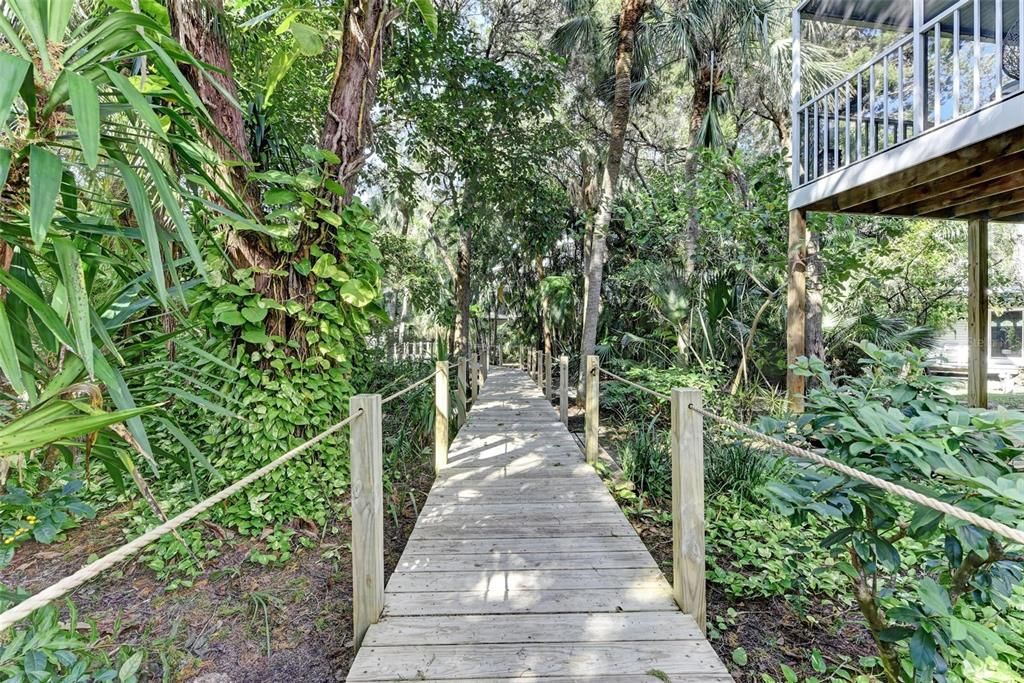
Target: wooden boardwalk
[{"x": 522, "y": 566}]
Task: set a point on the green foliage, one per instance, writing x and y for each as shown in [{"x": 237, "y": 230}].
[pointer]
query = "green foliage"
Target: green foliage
[
  {"x": 40, "y": 518},
  {"x": 897, "y": 423},
  {"x": 42, "y": 648}
]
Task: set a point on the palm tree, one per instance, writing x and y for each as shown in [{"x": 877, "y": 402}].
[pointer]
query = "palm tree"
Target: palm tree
[{"x": 581, "y": 31}]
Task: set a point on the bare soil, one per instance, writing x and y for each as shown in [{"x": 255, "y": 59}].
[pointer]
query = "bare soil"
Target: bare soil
[{"x": 239, "y": 622}]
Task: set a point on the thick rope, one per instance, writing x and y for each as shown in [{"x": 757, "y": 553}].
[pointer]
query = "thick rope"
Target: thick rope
[
  {"x": 641, "y": 387},
  {"x": 1014, "y": 535},
  {"x": 409, "y": 388},
  {"x": 89, "y": 571}
]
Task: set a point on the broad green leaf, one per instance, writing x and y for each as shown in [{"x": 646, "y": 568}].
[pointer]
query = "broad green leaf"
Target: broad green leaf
[
  {"x": 58, "y": 14},
  {"x": 43, "y": 312},
  {"x": 170, "y": 204},
  {"x": 357, "y": 293},
  {"x": 9, "y": 353},
  {"x": 5, "y": 165},
  {"x": 429, "y": 14},
  {"x": 44, "y": 169},
  {"x": 933, "y": 596},
  {"x": 279, "y": 67},
  {"x": 147, "y": 226},
  {"x": 73, "y": 276},
  {"x": 137, "y": 101},
  {"x": 85, "y": 104},
  {"x": 37, "y": 436},
  {"x": 307, "y": 39},
  {"x": 28, "y": 12},
  {"x": 12, "y": 75}
]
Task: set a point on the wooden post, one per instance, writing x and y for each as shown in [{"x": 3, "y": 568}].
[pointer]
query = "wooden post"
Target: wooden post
[
  {"x": 461, "y": 394},
  {"x": 796, "y": 306},
  {"x": 487, "y": 361},
  {"x": 548, "y": 379},
  {"x": 563, "y": 389},
  {"x": 367, "y": 463},
  {"x": 688, "y": 505},
  {"x": 441, "y": 416},
  {"x": 592, "y": 407},
  {"x": 977, "y": 313}
]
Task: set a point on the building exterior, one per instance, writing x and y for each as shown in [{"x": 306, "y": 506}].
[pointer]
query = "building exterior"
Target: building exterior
[{"x": 932, "y": 126}]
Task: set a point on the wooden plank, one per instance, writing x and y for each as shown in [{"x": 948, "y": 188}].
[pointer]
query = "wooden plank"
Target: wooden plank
[
  {"x": 521, "y": 531},
  {"x": 609, "y": 678},
  {"x": 502, "y": 560},
  {"x": 454, "y": 520},
  {"x": 366, "y": 448},
  {"x": 611, "y": 627},
  {"x": 517, "y": 546},
  {"x": 520, "y": 660},
  {"x": 535, "y": 602},
  {"x": 485, "y": 509},
  {"x": 630, "y": 579}
]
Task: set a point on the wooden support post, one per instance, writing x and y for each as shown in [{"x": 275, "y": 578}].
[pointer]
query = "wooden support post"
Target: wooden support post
[
  {"x": 487, "y": 361},
  {"x": 367, "y": 463},
  {"x": 796, "y": 306},
  {"x": 461, "y": 394},
  {"x": 441, "y": 416},
  {"x": 549, "y": 368},
  {"x": 474, "y": 378},
  {"x": 593, "y": 409},
  {"x": 977, "y": 314},
  {"x": 563, "y": 389},
  {"x": 688, "y": 505}
]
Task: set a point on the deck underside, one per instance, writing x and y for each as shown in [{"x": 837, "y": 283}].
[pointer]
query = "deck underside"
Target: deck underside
[
  {"x": 977, "y": 179},
  {"x": 522, "y": 566}
]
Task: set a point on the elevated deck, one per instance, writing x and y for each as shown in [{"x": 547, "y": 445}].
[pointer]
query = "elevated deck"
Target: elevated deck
[{"x": 522, "y": 566}]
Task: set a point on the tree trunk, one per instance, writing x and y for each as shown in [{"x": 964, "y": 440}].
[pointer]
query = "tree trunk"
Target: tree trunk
[
  {"x": 632, "y": 12},
  {"x": 700, "y": 103},
  {"x": 462, "y": 285},
  {"x": 545, "y": 307},
  {"x": 348, "y": 128}
]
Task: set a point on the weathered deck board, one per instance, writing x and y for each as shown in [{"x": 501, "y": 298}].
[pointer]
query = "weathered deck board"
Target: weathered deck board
[{"x": 523, "y": 567}]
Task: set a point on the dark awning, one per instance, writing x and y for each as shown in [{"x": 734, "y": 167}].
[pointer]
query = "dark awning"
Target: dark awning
[{"x": 898, "y": 15}]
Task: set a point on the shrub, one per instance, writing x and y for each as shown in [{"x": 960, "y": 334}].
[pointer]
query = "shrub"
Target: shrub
[{"x": 897, "y": 423}]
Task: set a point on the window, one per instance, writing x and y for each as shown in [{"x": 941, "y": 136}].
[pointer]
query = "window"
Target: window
[{"x": 1006, "y": 332}]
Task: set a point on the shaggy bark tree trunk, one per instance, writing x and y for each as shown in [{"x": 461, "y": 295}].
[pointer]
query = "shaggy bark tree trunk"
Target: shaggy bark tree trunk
[
  {"x": 348, "y": 128},
  {"x": 632, "y": 11}
]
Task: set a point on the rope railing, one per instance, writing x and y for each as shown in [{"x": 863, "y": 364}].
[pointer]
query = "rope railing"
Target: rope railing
[
  {"x": 995, "y": 527},
  {"x": 652, "y": 392},
  {"x": 68, "y": 584},
  {"x": 93, "y": 569}
]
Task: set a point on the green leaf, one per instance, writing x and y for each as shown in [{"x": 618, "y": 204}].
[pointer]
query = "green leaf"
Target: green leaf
[
  {"x": 279, "y": 68},
  {"x": 28, "y": 12},
  {"x": 739, "y": 655},
  {"x": 9, "y": 363},
  {"x": 307, "y": 39},
  {"x": 255, "y": 335},
  {"x": 277, "y": 197},
  {"x": 429, "y": 14},
  {"x": 44, "y": 169},
  {"x": 138, "y": 102},
  {"x": 42, "y": 310},
  {"x": 170, "y": 204},
  {"x": 5, "y": 165},
  {"x": 357, "y": 293},
  {"x": 933, "y": 596},
  {"x": 37, "y": 435},
  {"x": 922, "y": 653},
  {"x": 254, "y": 314},
  {"x": 131, "y": 666},
  {"x": 147, "y": 226},
  {"x": 85, "y": 104},
  {"x": 12, "y": 74},
  {"x": 73, "y": 277},
  {"x": 58, "y": 14}
]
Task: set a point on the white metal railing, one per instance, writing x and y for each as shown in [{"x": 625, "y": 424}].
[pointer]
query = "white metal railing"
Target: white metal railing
[{"x": 967, "y": 57}]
